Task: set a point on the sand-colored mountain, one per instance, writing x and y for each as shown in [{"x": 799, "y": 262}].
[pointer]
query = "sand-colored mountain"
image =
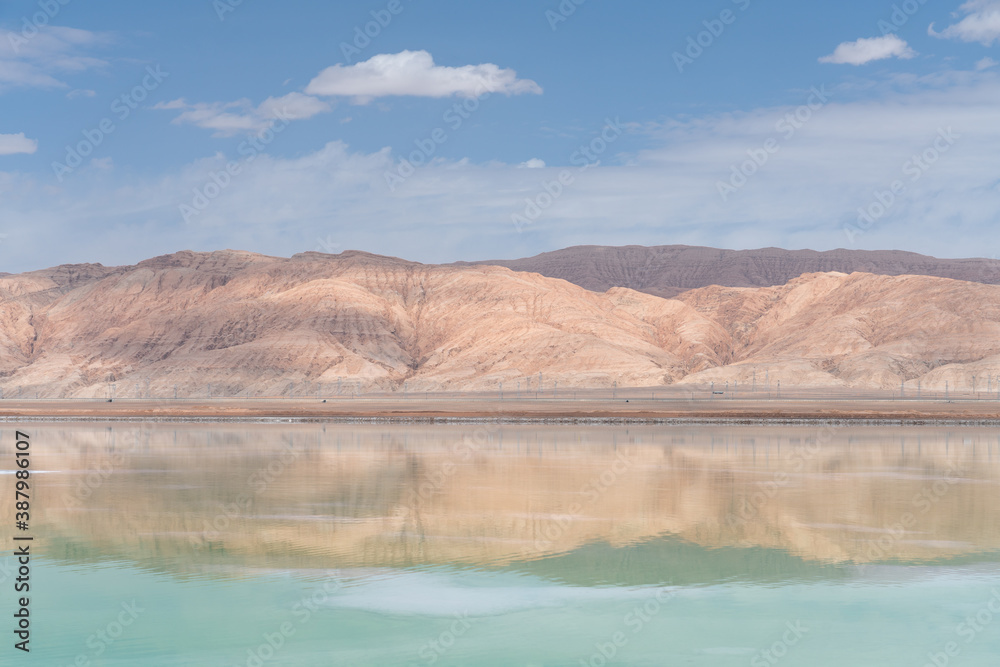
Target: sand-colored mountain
[{"x": 233, "y": 323}]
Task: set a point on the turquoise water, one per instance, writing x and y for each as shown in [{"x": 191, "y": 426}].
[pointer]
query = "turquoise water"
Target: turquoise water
[{"x": 459, "y": 545}]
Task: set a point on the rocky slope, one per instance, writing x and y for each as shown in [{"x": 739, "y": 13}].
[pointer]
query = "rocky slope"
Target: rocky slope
[
  {"x": 669, "y": 270},
  {"x": 231, "y": 323}
]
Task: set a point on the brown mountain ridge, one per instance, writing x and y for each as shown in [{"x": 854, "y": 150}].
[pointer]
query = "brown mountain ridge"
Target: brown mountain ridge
[
  {"x": 669, "y": 270},
  {"x": 243, "y": 323}
]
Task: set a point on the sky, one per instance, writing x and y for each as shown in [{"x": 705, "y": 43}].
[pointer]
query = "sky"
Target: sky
[{"x": 441, "y": 130}]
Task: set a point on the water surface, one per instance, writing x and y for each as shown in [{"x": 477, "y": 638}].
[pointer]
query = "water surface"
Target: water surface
[{"x": 287, "y": 544}]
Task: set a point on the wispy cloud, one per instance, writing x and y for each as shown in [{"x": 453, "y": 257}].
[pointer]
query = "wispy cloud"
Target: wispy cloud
[
  {"x": 42, "y": 61},
  {"x": 11, "y": 144},
  {"x": 457, "y": 209},
  {"x": 231, "y": 118},
  {"x": 406, "y": 73},
  {"x": 866, "y": 50},
  {"x": 414, "y": 73},
  {"x": 982, "y": 23}
]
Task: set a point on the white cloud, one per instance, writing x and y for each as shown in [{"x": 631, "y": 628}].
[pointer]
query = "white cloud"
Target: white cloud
[
  {"x": 986, "y": 63},
  {"x": 406, "y": 73},
  {"x": 414, "y": 73},
  {"x": 73, "y": 94},
  {"x": 11, "y": 144},
  {"x": 230, "y": 118},
  {"x": 803, "y": 197},
  {"x": 867, "y": 50},
  {"x": 533, "y": 163},
  {"x": 981, "y": 25},
  {"x": 38, "y": 62},
  {"x": 294, "y": 106}
]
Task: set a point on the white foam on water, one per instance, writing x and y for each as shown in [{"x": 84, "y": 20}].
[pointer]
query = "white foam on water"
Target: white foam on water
[
  {"x": 479, "y": 594},
  {"x": 729, "y": 650}
]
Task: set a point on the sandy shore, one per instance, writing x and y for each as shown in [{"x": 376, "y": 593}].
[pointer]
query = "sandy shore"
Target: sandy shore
[{"x": 471, "y": 407}]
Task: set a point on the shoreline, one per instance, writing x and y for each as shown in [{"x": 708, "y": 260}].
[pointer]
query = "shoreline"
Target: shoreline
[{"x": 465, "y": 409}]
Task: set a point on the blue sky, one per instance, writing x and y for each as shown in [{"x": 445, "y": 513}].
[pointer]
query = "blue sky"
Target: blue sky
[{"x": 483, "y": 130}]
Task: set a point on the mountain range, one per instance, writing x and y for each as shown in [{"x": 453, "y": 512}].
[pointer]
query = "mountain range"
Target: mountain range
[
  {"x": 669, "y": 270},
  {"x": 232, "y": 323}
]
